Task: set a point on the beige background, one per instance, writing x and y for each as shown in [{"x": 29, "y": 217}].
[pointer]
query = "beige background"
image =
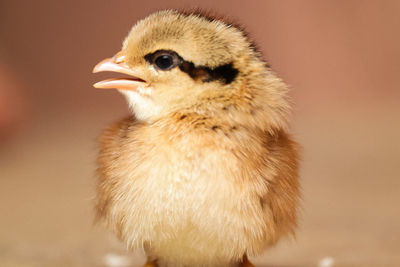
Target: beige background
[{"x": 341, "y": 59}]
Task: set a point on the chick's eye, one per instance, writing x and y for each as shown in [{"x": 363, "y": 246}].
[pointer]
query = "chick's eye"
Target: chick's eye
[
  {"x": 164, "y": 62},
  {"x": 163, "y": 59}
]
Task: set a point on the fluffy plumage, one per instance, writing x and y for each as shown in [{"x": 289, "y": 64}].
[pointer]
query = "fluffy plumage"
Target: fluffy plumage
[{"x": 204, "y": 172}]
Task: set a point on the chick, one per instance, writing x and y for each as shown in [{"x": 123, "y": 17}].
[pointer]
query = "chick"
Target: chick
[{"x": 204, "y": 172}]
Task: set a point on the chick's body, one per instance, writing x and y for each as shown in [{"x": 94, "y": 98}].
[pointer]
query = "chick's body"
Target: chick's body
[{"x": 205, "y": 172}]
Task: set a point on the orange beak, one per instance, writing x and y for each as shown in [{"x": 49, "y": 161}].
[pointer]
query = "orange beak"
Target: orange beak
[{"x": 118, "y": 64}]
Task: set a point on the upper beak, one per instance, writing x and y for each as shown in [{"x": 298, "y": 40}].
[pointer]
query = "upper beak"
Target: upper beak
[{"x": 118, "y": 64}]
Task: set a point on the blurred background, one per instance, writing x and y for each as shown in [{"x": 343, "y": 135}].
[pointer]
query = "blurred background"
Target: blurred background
[{"x": 341, "y": 59}]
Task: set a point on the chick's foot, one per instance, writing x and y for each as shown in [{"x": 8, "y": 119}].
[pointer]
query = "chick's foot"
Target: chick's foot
[
  {"x": 150, "y": 264},
  {"x": 246, "y": 262}
]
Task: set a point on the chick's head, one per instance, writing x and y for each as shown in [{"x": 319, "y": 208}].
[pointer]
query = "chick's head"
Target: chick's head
[{"x": 187, "y": 62}]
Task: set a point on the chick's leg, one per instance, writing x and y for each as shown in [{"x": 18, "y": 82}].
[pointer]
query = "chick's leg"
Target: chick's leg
[
  {"x": 151, "y": 263},
  {"x": 246, "y": 262}
]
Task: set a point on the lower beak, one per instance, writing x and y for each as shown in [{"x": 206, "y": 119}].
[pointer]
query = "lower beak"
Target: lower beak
[{"x": 117, "y": 64}]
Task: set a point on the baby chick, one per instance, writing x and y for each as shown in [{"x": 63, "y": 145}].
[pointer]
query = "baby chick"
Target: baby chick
[{"x": 204, "y": 173}]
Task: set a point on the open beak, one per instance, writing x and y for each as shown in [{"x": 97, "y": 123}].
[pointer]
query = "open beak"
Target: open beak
[{"x": 118, "y": 64}]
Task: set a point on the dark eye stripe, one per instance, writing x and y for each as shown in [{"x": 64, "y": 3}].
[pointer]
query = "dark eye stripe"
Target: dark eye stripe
[{"x": 225, "y": 73}]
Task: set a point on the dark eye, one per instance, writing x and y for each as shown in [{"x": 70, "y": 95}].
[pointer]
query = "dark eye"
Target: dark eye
[
  {"x": 164, "y": 62},
  {"x": 164, "y": 59}
]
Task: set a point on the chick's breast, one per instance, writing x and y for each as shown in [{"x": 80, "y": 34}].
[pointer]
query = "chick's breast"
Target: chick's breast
[{"x": 196, "y": 198}]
